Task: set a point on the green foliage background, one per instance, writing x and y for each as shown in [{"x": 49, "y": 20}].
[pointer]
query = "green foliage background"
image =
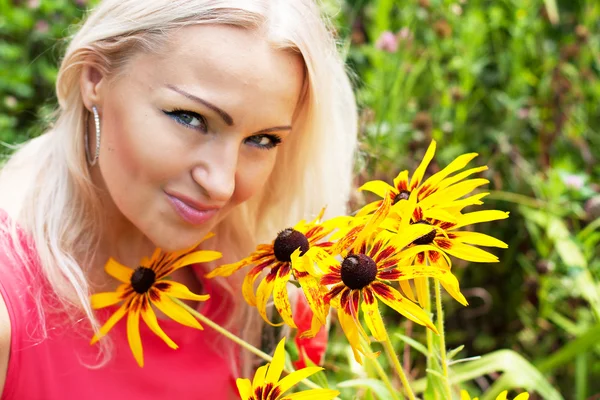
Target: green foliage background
[{"x": 517, "y": 81}]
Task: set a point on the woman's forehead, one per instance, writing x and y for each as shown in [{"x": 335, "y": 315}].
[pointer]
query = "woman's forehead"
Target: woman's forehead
[{"x": 229, "y": 66}]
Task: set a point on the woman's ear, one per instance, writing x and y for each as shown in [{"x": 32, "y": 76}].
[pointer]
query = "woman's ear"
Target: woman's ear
[{"x": 92, "y": 83}]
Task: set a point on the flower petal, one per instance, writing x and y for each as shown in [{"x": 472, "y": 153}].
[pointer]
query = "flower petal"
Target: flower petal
[
  {"x": 380, "y": 188},
  {"x": 422, "y": 293},
  {"x": 406, "y": 289},
  {"x": 452, "y": 193},
  {"x": 323, "y": 259},
  {"x": 351, "y": 331},
  {"x": 118, "y": 271},
  {"x": 175, "y": 312},
  {"x": 108, "y": 325},
  {"x": 313, "y": 292},
  {"x": 244, "y": 388},
  {"x": 281, "y": 297},
  {"x": 313, "y": 394},
  {"x": 440, "y": 214},
  {"x": 249, "y": 280},
  {"x": 133, "y": 332},
  {"x": 259, "y": 376},
  {"x": 368, "y": 208},
  {"x": 479, "y": 239},
  {"x": 263, "y": 293},
  {"x": 373, "y": 223},
  {"x": 459, "y": 177},
  {"x": 480, "y": 216},
  {"x": 417, "y": 176},
  {"x": 458, "y": 163},
  {"x": 410, "y": 233},
  {"x": 401, "y": 181},
  {"x": 522, "y": 396},
  {"x": 276, "y": 365},
  {"x": 502, "y": 395},
  {"x": 101, "y": 300},
  {"x": 228, "y": 269},
  {"x": 295, "y": 377},
  {"x": 373, "y": 318},
  {"x": 401, "y": 304},
  {"x": 176, "y": 289},
  {"x": 196, "y": 257},
  {"x": 464, "y": 395},
  {"x": 150, "y": 320},
  {"x": 465, "y": 251},
  {"x": 456, "y": 206}
]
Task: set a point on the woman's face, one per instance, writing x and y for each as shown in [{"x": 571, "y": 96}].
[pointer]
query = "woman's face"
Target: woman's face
[{"x": 192, "y": 133}]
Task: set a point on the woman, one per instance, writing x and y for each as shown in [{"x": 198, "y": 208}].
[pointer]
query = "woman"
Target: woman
[{"x": 176, "y": 118}]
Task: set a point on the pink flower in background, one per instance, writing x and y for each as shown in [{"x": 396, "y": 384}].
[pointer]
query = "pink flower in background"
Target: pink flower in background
[
  {"x": 574, "y": 181},
  {"x": 523, "y": 113},
  {"x": 42, "y": 26},
  {"x": 387, "y": 42},
  {"x": 404, "y": 34}
]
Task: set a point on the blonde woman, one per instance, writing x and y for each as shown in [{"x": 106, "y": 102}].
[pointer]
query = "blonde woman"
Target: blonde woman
[{"x": 175, "y": 118}]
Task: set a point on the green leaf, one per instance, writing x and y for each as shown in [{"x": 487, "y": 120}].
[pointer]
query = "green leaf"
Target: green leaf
[
  {"x": 378, "y": 387},
  {"x": 412, "y": 343},
  {"x": 571, "y": 350},
  {"x": 517, "y": 373}
]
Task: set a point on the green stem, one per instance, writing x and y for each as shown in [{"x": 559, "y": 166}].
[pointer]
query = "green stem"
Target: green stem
[
  {"x": 440, "y": 328},
  {"x": 241, "y": 342},
  {"x": 429, "y": 332},
  {"x": 385, "y": 378},
  {"x": 389, "y": 349}
]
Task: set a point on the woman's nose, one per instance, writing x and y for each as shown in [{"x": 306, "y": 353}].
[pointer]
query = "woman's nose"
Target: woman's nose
[{"x": 215, "y": 174}]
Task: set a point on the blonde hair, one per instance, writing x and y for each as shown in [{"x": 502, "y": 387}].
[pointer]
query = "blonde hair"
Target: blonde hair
[{"x": 61, "y": 212}]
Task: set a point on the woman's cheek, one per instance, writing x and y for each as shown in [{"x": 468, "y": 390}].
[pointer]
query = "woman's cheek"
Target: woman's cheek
[{"x": 252, "y": 176}]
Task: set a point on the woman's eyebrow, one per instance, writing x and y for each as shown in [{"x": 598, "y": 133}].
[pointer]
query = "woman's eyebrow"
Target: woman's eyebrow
[
  {"x": 274, "y": 129},
  {"x": 226, "y": 117}
]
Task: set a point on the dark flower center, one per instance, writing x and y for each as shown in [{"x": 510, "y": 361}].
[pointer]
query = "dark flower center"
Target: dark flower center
[
  {"x": 425, "y": 239},
  {"x": 403, "y": 195},
  {"x": 287, "y": 241},
  {"x": 358, "y": 270},
  {"x": 142, "y": 279}
]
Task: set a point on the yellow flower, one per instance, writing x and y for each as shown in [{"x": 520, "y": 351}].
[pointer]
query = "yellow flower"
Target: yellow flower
[
  {"x": 446, "y": 238},
  {"x": 444, "y": 189},
  {"x": 502, "y": 396},
  {"x": 146, "y": 286},
  {"x": 267, "y": 384},
  {"x": 301, "y": 242},
  {"x": 363, "y": 277}
]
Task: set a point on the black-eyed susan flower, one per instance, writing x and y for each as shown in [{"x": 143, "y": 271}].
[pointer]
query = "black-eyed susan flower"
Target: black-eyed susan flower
[
  {"x": 268, "y": 384},
  {"x": 146, "y": 286},
  {"x": 363, "y": 277},
  {"x": 502, "y": 396},
  {"x": 447, "y": 238},
  {"x": 302, "y": 242},
  {"x": 452, "y": 187}
]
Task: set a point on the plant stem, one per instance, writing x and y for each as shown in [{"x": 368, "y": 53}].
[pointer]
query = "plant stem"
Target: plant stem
[
  {"x": 429, "y": 332},
  {"x": 440, "y": 328},
  {"x": 241, "y": 342},
  {"x": 385, "y": 378},
  {"x": 387, "y": 344}
]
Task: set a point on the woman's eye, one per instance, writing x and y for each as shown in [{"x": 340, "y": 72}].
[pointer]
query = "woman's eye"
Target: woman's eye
[
  {"x": 264, "y": 141},
  {"x": 189, "y": 119}
]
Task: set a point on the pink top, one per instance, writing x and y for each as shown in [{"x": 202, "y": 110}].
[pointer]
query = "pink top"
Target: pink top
[{"x": 53, "y": 368}]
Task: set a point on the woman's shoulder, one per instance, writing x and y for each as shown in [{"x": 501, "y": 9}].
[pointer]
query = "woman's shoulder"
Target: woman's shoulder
[{"x": 13, "y": 250}]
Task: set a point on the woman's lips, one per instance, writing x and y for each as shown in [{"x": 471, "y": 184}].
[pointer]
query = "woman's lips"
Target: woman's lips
[{"x": 190, "y": 213}]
